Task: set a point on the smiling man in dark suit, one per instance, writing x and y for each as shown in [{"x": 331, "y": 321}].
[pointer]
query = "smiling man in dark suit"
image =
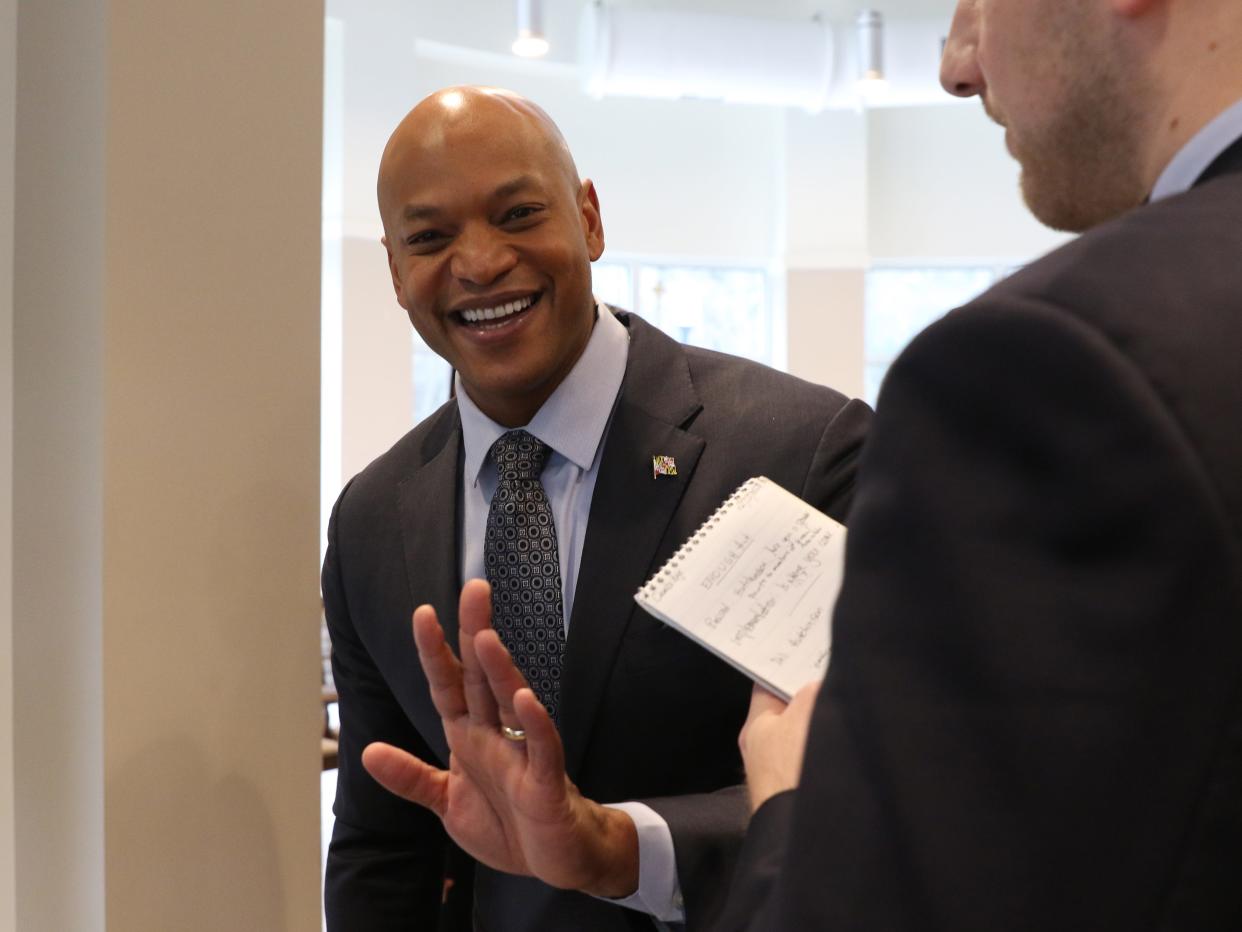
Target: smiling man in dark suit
[
  {"x": 614, "y": 443},
  {"x": 1033, "y": 715}
]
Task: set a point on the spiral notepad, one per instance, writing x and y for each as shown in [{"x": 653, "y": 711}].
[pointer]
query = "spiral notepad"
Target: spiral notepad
[{"x": 756, "y": 585}]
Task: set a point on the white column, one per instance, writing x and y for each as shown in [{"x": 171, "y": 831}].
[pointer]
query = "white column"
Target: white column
[
  {"x": 377, "y": 357},
  {"x": 826, "y": 246},
  {"x": 165, "y": 465},
  {"x": 58, "y": 311},
  {"x": 8, "y": 120}
]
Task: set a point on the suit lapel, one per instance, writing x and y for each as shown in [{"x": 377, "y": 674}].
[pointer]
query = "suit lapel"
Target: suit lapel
[
  {"x": 427, "y": 501},
  {"x": 630, "y": 511},
  {"x": 1226, "y": 163}
]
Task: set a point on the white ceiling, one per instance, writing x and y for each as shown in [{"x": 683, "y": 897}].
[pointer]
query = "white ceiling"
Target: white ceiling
[
  {"x": 381, "y": 70},
  {"x": 488, "y": 25},
  {"x": 833, "y": 9}
]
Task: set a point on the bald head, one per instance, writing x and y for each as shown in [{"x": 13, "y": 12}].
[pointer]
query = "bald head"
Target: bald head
[
  {"x": 465, "y": 116},
  {"x": 490, "y": 237}
]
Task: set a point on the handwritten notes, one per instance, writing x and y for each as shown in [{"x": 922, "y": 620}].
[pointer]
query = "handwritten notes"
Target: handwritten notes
[{"x": 756, "y": 585}]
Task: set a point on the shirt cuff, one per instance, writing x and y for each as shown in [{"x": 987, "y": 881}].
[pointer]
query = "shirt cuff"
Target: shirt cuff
[{"x": 659, "y": 893}]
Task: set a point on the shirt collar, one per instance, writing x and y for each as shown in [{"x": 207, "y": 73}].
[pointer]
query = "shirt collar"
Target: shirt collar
[
  {"x": 1194, "y": 158},
  {"x": 573, "y": 419}
]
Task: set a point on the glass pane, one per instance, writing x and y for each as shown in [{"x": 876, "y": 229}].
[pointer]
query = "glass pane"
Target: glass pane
[
  {"x": 718, "y": 308},
  {"x": 873, "y": 375},
  {"x": 431, "y": 379},
  {"x": 610, "y": 282},
  {"x": 901, "y": 302}
]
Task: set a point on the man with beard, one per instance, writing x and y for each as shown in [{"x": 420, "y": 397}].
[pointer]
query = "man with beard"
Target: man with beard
[
  {"x": 1033, "y": 715},
  {"x": 1032, "y": 718}
]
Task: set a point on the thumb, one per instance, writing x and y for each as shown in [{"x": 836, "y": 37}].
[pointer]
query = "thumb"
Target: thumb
[{"x": 404, "y": 775}]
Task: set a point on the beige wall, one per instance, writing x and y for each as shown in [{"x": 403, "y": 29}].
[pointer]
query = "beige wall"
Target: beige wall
[
  {"x": 377, "y": 355},
  {"x": 166, "y": 306},
  {"x": 825, "y": 323},
  {"x": 826, "y": 179},
  {"x": 942, "y": 185}
]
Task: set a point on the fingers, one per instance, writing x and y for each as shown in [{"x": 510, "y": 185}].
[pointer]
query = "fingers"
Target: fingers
[
  {"x": 805, "y": 696},
  {"x": 408, "y": 777},
  {"x": 474, "y": 618},
  {"x": 475, "y": 606},
  {"x": 763, "y": 702},
  {"x": 544, "y": 751},
  {"x": 773, "y": 740},
  {"x": 443, "y": 671},
  {"x": 503, "y": 678}
]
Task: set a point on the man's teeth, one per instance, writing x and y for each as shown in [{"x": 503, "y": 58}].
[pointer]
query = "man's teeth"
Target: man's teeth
[{"x": 475, "y": 315}]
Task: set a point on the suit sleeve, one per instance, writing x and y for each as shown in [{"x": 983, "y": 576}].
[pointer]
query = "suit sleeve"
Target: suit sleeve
[
  {"x": 385, "y": 867},
  {"x": 708, "y": 829},
  {"x": 831, "y": 478},
  {"x": 1034, "y": 657}
]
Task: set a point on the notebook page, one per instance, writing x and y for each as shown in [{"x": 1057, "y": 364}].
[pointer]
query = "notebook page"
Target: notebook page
[{"x": 756, "y": 585}]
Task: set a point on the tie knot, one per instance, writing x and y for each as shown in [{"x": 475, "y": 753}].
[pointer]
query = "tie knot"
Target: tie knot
[{"x": 518, "y": 455}]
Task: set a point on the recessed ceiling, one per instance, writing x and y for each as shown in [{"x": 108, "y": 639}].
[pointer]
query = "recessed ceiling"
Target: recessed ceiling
[{"x": 833, "y": 9}]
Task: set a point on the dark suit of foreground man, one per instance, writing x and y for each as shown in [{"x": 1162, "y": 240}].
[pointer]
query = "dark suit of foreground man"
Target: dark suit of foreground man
[
  {"x": 482, "y": 206},
  {"x": 1033, "y": 716}
]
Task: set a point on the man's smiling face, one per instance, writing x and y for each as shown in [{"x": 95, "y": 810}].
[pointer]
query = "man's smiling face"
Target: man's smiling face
[{"x": 490, "y": 238}]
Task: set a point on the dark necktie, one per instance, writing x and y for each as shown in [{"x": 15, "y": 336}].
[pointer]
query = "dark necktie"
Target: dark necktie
[{"x": 523, "y": 566}]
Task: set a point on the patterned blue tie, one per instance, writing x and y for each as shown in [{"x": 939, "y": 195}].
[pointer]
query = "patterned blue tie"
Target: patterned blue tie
[{"x": 523, "y": 566}]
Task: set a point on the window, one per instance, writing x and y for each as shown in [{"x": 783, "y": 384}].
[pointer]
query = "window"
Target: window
[
  {"x": 613, "y": 285},
  {"x": 902, "y": 300},
  {"x": 431, "y": 378},
  {"x": 726, "y": 308}
]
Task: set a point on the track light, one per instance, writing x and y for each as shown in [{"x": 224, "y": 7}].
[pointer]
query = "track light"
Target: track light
[
  {"x": 870, "y": 27},
  {"x": 530, "y": 41}
]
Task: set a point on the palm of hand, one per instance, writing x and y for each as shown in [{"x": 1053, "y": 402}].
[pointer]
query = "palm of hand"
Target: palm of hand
[
  {"x": 510, "y": 805},
  {"x": 493, "y": 796}
]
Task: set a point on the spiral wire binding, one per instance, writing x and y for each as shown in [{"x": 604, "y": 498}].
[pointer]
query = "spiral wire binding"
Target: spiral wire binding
[{"x": 647, "y": 591}]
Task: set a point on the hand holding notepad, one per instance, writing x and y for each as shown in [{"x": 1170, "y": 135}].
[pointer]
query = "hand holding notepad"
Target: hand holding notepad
[{"x": 756, "y": 586}]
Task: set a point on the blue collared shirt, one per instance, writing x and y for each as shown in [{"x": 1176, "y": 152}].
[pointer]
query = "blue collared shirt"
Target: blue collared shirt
[
  {"x": 573, "y": 422},
  {"x": 1201, "y": 151}
]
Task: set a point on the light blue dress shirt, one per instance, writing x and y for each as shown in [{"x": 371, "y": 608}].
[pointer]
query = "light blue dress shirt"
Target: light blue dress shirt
[
  {"x": 1202, "y": 149},
  {"x": 573, "y": 422}
]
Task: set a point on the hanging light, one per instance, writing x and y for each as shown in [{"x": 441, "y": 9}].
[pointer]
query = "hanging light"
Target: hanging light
[
  {"x": 870, "y": 27},
  {"x": 530, "y": 41}
]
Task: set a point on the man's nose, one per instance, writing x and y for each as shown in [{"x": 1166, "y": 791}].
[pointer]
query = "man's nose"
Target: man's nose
[
  {"x": 959, "y": 64},
  {"x": 480, "y": 256}
]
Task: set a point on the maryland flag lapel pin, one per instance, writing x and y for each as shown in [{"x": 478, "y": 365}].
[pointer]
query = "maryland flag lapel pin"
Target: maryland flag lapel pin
[{"x": 663, "y": 466}]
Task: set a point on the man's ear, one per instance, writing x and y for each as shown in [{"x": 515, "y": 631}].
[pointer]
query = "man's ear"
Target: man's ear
[
  {"x": 392, "y": 267},
  {"x": 592, "y": 222}
]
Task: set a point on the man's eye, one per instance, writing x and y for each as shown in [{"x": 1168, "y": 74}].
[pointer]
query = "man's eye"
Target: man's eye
[
  {"x": 423, "y": 238},
  {"x": 520, "y": 213}
]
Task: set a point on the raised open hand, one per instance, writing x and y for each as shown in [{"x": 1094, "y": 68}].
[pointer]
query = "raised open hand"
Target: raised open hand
[{"x": 506, "y": 801}]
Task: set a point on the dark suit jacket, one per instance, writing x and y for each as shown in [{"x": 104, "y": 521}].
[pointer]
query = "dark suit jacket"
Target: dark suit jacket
[
  {"x": 644, "y": 712},
  {"x": 1031, "y": 719}
]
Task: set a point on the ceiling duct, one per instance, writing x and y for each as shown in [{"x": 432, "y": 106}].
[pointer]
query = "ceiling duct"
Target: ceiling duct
[
  {"x": 660, "y": 53},
  {"x": 629, "y": 52}
]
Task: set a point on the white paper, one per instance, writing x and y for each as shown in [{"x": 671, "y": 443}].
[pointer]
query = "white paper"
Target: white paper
[{"x": 756, "y": 586}]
